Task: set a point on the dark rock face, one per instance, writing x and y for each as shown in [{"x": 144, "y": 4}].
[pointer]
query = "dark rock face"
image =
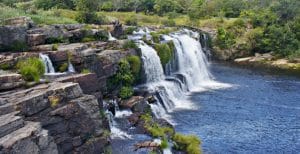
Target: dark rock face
[
  {"x": 118, "y": 30},
  {"x": 52, "y": 118}
]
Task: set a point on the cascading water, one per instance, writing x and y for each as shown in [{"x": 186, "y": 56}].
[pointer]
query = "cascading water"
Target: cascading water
[
  {"x": 110, "y": 37},
  {"x": 169, "y": 93},
  {"x": 49, "y": 69},
  {"x": 71, "y": 68},
  {"x": 116, "y": 132},
  {"x": 192, "y": 62}
]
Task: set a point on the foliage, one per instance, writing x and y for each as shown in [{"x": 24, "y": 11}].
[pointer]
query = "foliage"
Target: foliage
[
  {"x": 54, "y": 40},
  {"x": 124, "y": 78},
  {"x": 131, "y": 21},
  {"x": 188, "y": 143},
  {"x": 135, "y": 65},
  {"x": 129, "y": 30},
  {"x": 169, "y": 22},
  {"x": 85, "y": 71},
  {"x": 31, "y": 69},
  {"x": 87, "y": 11},
  {"x": 225, "y": 39},
  {"x": 126, "y": 92},
  {"x": 63, "y": 67},
  {"x": 129, "y": 45},
  {"x": 155, "y": 37},
  {"x": 48, "y": 4},
  {"x": 154, "y": 128},
  {"x": 164, "y": 52},
  {"x": 164, "y": 143}
]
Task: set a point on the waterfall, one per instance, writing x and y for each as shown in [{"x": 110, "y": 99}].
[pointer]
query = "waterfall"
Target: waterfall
[
  {"x": 152, "y": 64},
  {"x": 116, "y": 132},
  {"x": 49, "y": 69},
  {"x": 113, "y": 125},
  {"x": 110, "y": 37},
  {"x": 192, "y": 62},
  {"x": 170, "y": 94},
  {"x": 71, "y": 68}
]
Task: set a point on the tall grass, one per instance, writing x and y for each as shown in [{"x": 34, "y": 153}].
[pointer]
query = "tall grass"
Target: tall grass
[{"x": 53, "y": 16}]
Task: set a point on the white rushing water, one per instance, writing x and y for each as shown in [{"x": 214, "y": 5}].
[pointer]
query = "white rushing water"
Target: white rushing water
[
  {"x": 171, "y": 95},
  {"x": 71, "y": 68},
  {"x": 110, "y": 37},
  {"x": 115, "y": 131},
  {"x": 49, "y": 69}
]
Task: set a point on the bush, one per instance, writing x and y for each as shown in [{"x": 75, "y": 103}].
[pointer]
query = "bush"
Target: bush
[
  {"x": 135, "y": 65},
  {"x": 85, "y": 71},
  {"x": 155, "y": 37},
  {"x": 169, "y": 23},
  {"x": 164, "y": 143},
  {"x": 130, "y": 30},
  {"x": 131, "y": 21},
  {"x": 63, "y": 67},
  {"x": 225, "y": 39},
  {"x": 31, "y": 69},
  {"x": 54, "y": 40},
  {"x": 129, "y": 45},
  {"x": 164, "y": 52},
  {"x": 126, "y": 92},
  {"x": 188, "y": 143}
]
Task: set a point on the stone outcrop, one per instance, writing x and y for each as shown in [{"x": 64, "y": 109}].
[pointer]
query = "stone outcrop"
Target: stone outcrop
[
  {"x": 10, "y": 81},
  {"x": 51, "y": 118}
]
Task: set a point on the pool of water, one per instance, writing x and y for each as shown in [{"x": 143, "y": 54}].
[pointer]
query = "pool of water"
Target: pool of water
[{"x": 258, "y": 114}]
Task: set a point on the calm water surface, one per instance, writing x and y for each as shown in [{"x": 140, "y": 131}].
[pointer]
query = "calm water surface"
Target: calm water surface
[{"x": 259, "y": 114}]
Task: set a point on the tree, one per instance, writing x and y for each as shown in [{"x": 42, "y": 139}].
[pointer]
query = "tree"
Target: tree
[{"x": 87, "y": 11}]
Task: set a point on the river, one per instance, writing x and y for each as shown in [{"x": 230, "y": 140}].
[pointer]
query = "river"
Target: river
[{"x": 259, "y": 114}]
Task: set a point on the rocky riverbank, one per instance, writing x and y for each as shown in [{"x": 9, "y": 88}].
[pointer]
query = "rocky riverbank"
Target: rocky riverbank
[{"x": 65, "y": 111}]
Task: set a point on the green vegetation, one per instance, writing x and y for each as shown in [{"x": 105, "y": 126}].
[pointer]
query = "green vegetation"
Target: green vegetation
[
  {"x": 131, "y": 20},
  {"x": 129, "y": 45},
  {"x": 155, "y": 129},
  {"x": 135, "y": 65},
  {"x": 126, "y": 92},
  {"x": 85, "y": 71},
  {"x": 31, "y": 69},
  {"x": 189, "y": 143},
  {"x": 124, "y": 79},
  {"x": 63, "y": 67},
  {"x": 164, "y": 52}
]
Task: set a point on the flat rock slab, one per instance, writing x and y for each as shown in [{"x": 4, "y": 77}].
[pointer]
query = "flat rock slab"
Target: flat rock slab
[{"x": 10, "y": 123}]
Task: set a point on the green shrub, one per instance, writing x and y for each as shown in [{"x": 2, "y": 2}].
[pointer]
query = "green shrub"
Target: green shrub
[
  {"x": 31, "y": 69},
  {"x": 131, "y": 21},
  {"x": 55, "y": 47},
  {"x": 135, "y": 65},
  {"x": 88, "y": 39},
  {"x": 90, "y": 18},
  {"x": 155, "y": 37},
  {"x": 164, "y": 52},
  {"x": 5, "y": 66},
  {"x": 85, "y": 71},
  {"x": 63, "y": 67},
  {"x": 126, "y": 92},
  {"x": 225, "y": 39},
  {"x": 130, "y": 30},
  {"x": 164, "y": 143},
  {"x": 129, "y": 45},
  {"x": 169, "y": 23},
  {"x": 189, "y": 143},
  {"x": 54, "y": 40}
]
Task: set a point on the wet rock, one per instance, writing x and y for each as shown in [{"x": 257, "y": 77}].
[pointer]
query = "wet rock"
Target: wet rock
[
  {"x": 11, "y": 81},
  {"x": 141, "y": 107},
  {"x": 147, "y": 144},
  {"x": 118, "y": 29},
  {"x": 131, "y": 102}
]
